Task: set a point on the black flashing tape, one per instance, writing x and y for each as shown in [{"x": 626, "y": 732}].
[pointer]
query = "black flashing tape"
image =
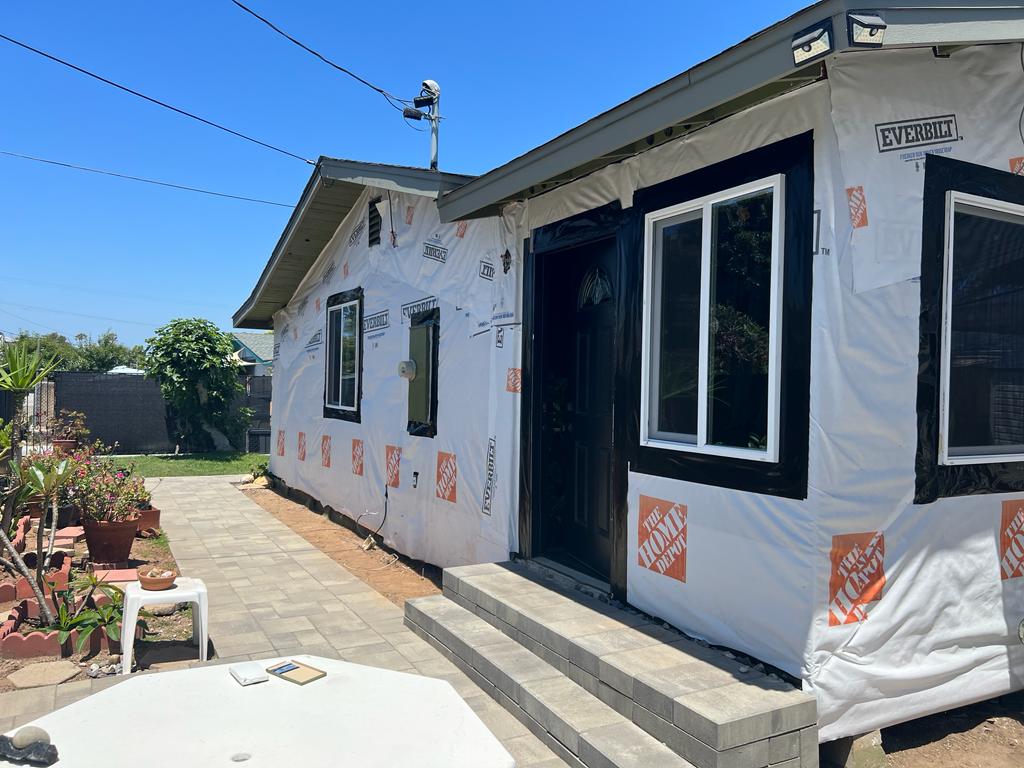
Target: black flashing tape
[
  {"x": 794, "y": 158},
  {"x": 935, "y": 481}
]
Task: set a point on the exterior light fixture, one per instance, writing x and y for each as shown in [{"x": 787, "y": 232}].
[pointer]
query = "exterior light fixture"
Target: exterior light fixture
[
  {"x": 865, "y": 28},
  {"x": 813, "y": 43}
]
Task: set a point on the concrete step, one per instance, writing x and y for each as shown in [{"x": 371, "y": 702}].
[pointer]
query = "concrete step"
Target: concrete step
[
  {"x": 709, "y": 708},
  {"x": 582, "y": 730}
]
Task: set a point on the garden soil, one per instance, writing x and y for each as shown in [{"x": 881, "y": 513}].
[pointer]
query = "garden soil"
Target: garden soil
[{"x": 396, "y": 577}]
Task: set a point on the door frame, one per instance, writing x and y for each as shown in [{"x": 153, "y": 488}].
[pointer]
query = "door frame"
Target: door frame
[{"x": 545, "y": 242}]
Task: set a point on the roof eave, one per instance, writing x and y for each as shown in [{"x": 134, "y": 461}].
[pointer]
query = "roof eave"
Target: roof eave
[
  {"x": 331, "y": 172},
  {"x": 750, "y": 66}
]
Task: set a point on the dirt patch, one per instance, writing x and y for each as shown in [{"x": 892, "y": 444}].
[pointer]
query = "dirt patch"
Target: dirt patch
[
  {"x": 395, "y": 576},
  {"x": 985, "y": 735}
]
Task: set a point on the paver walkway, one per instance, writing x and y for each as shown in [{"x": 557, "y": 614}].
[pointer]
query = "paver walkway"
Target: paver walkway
[{"x": 274, "y": 594}]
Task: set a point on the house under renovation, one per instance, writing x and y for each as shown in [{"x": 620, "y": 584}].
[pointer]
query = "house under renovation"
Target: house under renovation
[{"x": 745, "y": 352}]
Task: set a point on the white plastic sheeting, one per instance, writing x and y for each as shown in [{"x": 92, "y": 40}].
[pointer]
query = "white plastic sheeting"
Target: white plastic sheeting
[
  {"x": 886, "y": 609},
  {"x": 451, "y": 498}
]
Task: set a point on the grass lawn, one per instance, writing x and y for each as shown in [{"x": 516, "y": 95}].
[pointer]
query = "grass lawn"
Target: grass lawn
[{"x": 218, "y": 463}]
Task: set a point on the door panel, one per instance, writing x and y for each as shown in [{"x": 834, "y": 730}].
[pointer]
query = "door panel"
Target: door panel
[{"x": 576, "y": 336}]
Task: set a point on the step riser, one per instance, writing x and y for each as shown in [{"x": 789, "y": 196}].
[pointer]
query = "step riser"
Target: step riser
[
  {"x": 499, "y": 696},
  {"x": 581, "y": 731},
  {"x": 774, "y": 738}
]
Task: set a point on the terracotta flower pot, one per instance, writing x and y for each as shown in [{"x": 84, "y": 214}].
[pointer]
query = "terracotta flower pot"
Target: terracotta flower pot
[
  {"x": 149, "y": 518},
  {"x": 155, "y": 583},
  {"x": 64, "y": 446},
  {"x": 110, "y": 542}
]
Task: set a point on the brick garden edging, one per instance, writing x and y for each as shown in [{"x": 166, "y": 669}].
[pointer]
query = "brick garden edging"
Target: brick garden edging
[
  {"x": 60, "y": 572},
  {"x": 15, "y": 645},
  {"x": 21, "y": 529}
]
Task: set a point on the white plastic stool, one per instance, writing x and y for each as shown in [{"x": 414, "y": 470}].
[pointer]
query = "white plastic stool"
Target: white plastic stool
[{"x": 185, "y": 590}]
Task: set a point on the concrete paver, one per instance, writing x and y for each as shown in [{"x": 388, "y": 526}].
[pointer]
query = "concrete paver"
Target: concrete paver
[{"x": 273, "y": 593}]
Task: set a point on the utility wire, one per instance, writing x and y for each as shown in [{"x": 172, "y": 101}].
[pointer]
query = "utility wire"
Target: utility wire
[
  {"x": 139, "y": 178},
  {"x": 150, "y": 99},
  {"x": 390, "y": 97},
  {"x": 78, "y": 314}
]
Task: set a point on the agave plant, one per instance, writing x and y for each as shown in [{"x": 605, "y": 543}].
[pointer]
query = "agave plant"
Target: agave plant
[{"x": 22, "y": 368}]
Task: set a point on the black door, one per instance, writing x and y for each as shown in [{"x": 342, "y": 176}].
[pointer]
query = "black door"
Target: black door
[{"x": 576, "y": 340}]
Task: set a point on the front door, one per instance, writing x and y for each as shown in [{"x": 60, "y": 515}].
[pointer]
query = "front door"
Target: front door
[{"x": 576, "y": 340}]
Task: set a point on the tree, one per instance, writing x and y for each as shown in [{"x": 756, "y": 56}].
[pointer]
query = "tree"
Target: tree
[
  {"x": 190, "y": 359},
  {"x": 85, "y": 354}
]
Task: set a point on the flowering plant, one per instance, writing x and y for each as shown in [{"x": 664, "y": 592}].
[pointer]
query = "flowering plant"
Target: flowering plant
[{"x": 101, "y": 490}]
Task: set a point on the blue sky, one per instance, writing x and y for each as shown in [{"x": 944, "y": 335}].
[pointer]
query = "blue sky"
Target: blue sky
[{"x": 84, "y": 253}]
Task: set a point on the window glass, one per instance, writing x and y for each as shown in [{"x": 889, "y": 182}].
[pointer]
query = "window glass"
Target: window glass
[
  {"x": 349, "y": 353},
  {"x": 343, "y": 341},
  {"x": 986, "y": 333},
  {"x": 678, "y": 325},
  {"x": 740, "y": 300},
  {"x": 333, "y": 357},
  {"x": 712, "y": 356}
]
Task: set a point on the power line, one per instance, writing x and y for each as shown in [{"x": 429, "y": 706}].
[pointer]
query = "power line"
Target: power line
[
  {"x": 390, "y": 97},
  {"x": 26, "y": 320},
  {"x": 120, "y": 295},
  {"x": 78, "y": 314},
  {"x": 139, "y": 178},
  {"x": 150, "y": 99}
]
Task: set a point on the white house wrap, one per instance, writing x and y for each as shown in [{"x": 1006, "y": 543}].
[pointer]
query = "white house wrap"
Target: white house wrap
[{"x": 870, "y": 540}]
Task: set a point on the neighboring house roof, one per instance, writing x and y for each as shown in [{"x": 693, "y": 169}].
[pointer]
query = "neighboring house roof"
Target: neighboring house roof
[
  {"x": 126, "y": 370},
  {"x": 330, "y": 194},
  {"x": 259, "y": 345},
  {"x": 756, "y": 70}
]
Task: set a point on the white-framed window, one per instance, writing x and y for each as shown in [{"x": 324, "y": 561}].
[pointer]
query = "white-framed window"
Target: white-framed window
[
  {"x": 981, "y": 385},
  {"x": 343, "y": 350},
  {"x": 712, "y": 340}
]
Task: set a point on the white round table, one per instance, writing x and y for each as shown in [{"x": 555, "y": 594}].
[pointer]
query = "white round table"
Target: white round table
[{"x": 356, "y": 716}]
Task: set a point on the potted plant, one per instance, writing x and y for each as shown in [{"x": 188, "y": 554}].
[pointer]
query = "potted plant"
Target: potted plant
[
  {"x": 69, "y": 431},
  {"x": 107, "y": 498}
]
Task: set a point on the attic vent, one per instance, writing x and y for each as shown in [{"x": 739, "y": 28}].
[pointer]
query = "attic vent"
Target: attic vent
[{"x": 373, "y": 218}]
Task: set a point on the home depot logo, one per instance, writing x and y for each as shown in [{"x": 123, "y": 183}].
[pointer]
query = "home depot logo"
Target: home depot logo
[
  {"x": 858, "y": 577},
  {"x": 1011, "y": 540},
  {"x": 514, "y": 380},
  {"x": 661, "y": 542},
  {"x": 302, "y": 446},
  {"x": 318, "y": 305},
  {"x": 447, "y": 476},
  {"x": 490, "y": 479},
  {"x": 392, "y": 463},
  {"x": 280, "y": 442},
  {"x": 357, "y": 456},
  {"x": 434, "y": 249},
  {"x": 460, "y": 230},
  {"x": 325, "y": 451},
  {"x": 410, "y": 212},
  {"x": 858, "y": 206},
  {"x": 919, "y": 132},
  {"x": 1017, "y": 166}
]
